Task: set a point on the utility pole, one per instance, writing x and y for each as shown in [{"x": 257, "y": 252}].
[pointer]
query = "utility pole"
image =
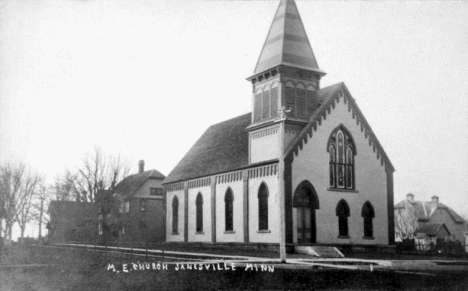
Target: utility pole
[
  {"x": 282, "y": 117},
  {"x": 40, "y": 217}
]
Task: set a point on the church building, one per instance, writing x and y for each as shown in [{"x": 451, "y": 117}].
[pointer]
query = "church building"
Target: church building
[{"x": 310, "y": 144}]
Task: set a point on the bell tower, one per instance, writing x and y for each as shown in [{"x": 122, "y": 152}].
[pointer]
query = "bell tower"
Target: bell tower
[{"x": 286, "y": 75}]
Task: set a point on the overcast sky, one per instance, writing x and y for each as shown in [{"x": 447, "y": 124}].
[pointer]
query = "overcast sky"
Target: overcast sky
[{"x": 147, "y": 78}]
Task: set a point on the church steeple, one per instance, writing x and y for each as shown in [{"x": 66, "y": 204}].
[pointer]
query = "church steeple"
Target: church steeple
[
  {"x": 287, "y": 42},
  {"x": 286, "y": 73}
]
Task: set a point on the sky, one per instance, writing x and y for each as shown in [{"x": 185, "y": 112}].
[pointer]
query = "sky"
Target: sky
[{"x": 147, "y": 78}]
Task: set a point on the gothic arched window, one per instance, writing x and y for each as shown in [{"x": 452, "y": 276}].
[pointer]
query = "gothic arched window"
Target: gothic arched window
[
  {"x": 228, "y": 210},
  {"x": 342, "y": 211},
  {"x": 368, "y": 214},
  {"x": 199, "y": 212},
  {"x": 342, "y": 151},
  {"x": 263, "y": 207},
  {"x": 175, "y": 215}
]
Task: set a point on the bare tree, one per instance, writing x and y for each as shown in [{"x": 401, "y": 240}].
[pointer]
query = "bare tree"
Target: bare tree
[
  {"x": 406, "y": 223},
  {"x": 11, "y": 182},
  {"x": 97, "y": 172},
  {"x": 40, "y": 206},
  {"x": 23, "y": 214}
]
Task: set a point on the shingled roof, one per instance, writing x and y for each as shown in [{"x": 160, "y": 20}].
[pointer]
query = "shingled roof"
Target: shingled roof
[
  {"x": 287, "y": 42},
  {"x": 423, "y": 210},
  {"x": 130, "y": 184},
  {"x": 431, "y": 229},
  {"x": 223, "y": 147}
]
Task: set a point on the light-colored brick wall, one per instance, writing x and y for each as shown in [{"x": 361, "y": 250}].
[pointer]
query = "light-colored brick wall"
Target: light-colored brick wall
[
  {"x": 180, "y": 235},
  {"x": 264, "y": 145},
  {"x": 238, "y": 205},
  {"x": 312, "y": 164},
  {"x": 205, "y": 235},
  {"x": 273, "y": 210}
]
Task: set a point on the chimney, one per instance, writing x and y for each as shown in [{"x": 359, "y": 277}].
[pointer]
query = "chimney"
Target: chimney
[
  {"x": 410, "y": 197},
  {"x": 435, "y": 199},
  {"x": 141, "y": 166}
]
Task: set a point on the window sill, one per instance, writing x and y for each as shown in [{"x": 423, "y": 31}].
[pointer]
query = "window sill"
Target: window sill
[
  {"x": 175, "y": 233},
  {"x": 343, "y": 236},
  {"x": 229, "y": 232},
  {"x": 264, "y": 231},
  {"x": 199, "y": 232},
  {"x": 342, "y": 190},
  {"x": 368, "y": 237}
]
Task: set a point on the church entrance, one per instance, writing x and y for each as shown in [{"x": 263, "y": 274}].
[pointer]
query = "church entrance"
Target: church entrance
[{"x": 306, "y": 202}]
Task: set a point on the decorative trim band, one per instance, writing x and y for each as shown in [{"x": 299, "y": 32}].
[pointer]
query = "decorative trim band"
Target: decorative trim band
[
  {"x": 203, "y": 182},
  {"x": 264, "y": 133},
  {"x": 264, "y": 171},
  {"x": 229, "y": 177},
  {"x": 174, "y": 187}
]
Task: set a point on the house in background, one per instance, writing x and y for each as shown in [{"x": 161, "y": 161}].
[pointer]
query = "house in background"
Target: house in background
[
  {"x": 426, "y": 235},
  {"x": 139, "y": 210},
  {"x": 72, "y": 221},
  {"x": 411, "y": 214}
]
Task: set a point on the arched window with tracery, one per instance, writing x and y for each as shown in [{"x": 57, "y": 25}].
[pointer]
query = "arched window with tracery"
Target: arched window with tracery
[
  {"x": 175, "y": 215},
  {"x": 368, "y": 214},
  {"x": 263, "y": 207},
  {"x": 228, "y": 210},
  {"x": 199, "y": 212},
  {"x": 342, "y": 211},
  {"x": 342, "y": 151}
]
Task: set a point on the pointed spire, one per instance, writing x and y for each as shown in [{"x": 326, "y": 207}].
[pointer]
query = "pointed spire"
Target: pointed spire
[{"x": 287, "y": 42}]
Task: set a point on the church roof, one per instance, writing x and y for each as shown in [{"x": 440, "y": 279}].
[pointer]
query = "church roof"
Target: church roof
[
  {"x": 130, "y": 184},
  {"x": 287, "y": 42},
  {"x": 223, "y": 147},
  {"x": 423, "y": 210}
]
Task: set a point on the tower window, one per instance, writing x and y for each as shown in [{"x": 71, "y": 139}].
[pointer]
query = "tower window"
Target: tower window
[
  {"x": 258, "y": 107},
  {"x": 266, "y": 105},
  {"x": 274, "y": 102},
  {"x": 342, "y": 151}
]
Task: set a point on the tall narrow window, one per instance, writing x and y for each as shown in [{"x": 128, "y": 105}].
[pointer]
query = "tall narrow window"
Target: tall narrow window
[
  {"x": 266, "y": 105},
  {"x": 274, "y": 102},
  {"x": 228, "y": 210},
  {"x": 342, "y": 151},
  {"x": 258, "y": 107},
  {"x": 301, "y": 104},
  {"x": 332, "y": 166},
  {"x": 291, "y": 100},
  {"x": 342, "y": 211},
  {"x": 263, "y": 207},
  {"x": 199, "y": 212},
  {"x": 349, "y": 168},
  {"x": 368, "y": 214},
  {"x": 175, "y": 215},
  {"x": 340, "y": 160}
]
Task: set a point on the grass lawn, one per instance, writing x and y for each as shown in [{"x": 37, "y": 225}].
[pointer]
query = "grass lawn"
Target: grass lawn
[{"x": 38, "y": 268}]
